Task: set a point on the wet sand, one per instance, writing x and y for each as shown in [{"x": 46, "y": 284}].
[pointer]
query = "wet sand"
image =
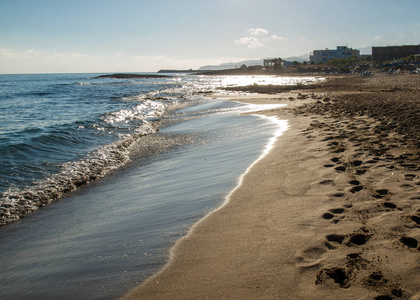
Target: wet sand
[{"x": 332, "y": 211}]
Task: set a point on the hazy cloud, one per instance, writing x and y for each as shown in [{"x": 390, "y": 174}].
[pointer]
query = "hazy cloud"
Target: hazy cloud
[
  {"x": 275, "y": 37},
  {"x": 258, "y": 31},
  {"x": 258, "y": 38},
  {"x": 34, "y": 61},
  {"x": 251, "y": 42},
  {"x": 31, "y": 61}
]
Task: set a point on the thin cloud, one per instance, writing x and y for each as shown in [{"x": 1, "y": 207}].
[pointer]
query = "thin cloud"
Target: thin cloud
[
  {"x": 251, "y": 42},
  {"x": 258, "y": 38},
  {"x": 32, "y": 60},
  {"x": 275, "y": 37},
  {"x": 258, "y": 31}
]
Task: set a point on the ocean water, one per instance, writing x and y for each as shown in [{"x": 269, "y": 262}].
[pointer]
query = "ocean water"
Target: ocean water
[{"x": 109, "y": 173}]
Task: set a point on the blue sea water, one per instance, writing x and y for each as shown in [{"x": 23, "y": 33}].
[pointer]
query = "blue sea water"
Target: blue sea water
[
  {"x": 59, "y": 131},
  {"x": 126, "y": 166}
]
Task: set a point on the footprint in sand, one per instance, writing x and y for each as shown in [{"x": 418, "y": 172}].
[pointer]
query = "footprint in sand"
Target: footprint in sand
[
  {"x": 409, "y": 242},
  {"x": 337, "y": 238},
  {"x": 370, "y": 277},
  {"x": 356, "y": 163},
  {"x": 378, "y": 281},
  {"x": 406, "y": 187},
  {"x": 337, "y": 210},
  {"x": 381, "y": 193},
  {"x": 334, "y": 240},
  {"x": 358, "y": 238},
  {"x": 361, "y": 171},
  {"x": 335, "y": 159},
  {"x": 339, "y": 275},
  {"x": 341, "y": 169},
  {"x": 410, "y": 177},
  {"x": 328, "y": 216},
  {"x": 356, "y": 189},
  {"x": 338, "y": 149},
  {"x": 412, "y": 221},
  {"x": 354, "y": 182},
  {"x": 332, "y": 213},
  {"x": 416, "y": 219},
  {"x": 357, "y": 186},
  {"x": 390, "y": 205}
]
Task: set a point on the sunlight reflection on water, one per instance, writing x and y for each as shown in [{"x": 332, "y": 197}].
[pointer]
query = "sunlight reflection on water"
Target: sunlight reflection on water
[{"x": 265, "y": 80}]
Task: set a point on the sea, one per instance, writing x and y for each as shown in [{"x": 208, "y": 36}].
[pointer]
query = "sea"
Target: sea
[{"x": 100, "y": 176}]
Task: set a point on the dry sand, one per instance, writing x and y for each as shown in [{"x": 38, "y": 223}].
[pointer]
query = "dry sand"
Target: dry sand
[{"x": 333, "y": 211}]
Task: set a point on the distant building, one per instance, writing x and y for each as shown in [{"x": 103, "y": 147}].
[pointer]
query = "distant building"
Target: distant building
[
  {"x": 394, "y": 52},
  {"x": 287, "y": 63},
  {"x": 322, "y": 56},
  {"x": 272, "y": 62}
]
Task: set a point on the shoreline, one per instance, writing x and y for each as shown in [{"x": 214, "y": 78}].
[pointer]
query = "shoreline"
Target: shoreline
[{"x": 331, "y": 211}]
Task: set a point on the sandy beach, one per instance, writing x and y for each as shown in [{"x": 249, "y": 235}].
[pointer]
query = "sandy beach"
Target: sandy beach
[{"x": 332, "y": 211}]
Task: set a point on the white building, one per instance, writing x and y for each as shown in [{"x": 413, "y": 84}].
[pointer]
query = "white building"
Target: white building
[{"x": 322, "y": 56}]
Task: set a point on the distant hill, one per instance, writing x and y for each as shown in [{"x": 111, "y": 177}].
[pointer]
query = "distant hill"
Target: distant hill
[
  {"x": 232, "y": 65},
  {"x": 249, "y": 63},
  {"x": 259, "y": 62},
  {"x": 301, "y": 58}
]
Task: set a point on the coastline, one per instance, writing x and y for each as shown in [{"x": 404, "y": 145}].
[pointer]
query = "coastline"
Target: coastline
[{"x": 331, "y": 211}]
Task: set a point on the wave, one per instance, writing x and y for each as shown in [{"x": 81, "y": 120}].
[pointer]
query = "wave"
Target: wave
[
  {"x": 67, "y": 155},
  {"x": 18, "y": 202},
  {"x": 69, "y": 133},
  {"x": 124, "y": 82},
  {"x": 142, "y": 111},
  {"x": 129, "y": 124}
]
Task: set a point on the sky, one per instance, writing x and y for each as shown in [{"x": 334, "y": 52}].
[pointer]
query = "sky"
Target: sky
[{"x": 75, "y": 36}]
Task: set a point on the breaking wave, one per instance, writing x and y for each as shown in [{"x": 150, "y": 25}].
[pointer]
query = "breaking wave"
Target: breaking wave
[
  {"x": 62, "y": 131},
  {"x": 17, "y": 202},
  {"x": 146, "y": 109}
]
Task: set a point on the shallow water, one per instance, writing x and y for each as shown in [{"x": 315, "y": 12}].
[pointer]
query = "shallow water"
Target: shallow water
[
  {"x": 120, "y": 199},
  {"x": 112, "y": 234},
  {"x": 59, "y": 132}
]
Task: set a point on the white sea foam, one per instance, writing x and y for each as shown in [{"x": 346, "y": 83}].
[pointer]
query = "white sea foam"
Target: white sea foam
[
  {"x": 20, "y": 201},
  {"x": 282, "y": 126},
  {"x": 146, "y": 109},
  {"x": 17, "y": 202}
]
